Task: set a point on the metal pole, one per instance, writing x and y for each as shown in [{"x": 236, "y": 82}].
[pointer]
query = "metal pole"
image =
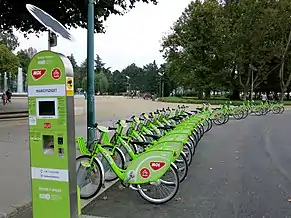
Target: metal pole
[
  {"x": 49, "y": 40},
  {"x": 90, "y": 73},
  {"x": 162, "y": 87},
  {"x": 252, "y": 88}
]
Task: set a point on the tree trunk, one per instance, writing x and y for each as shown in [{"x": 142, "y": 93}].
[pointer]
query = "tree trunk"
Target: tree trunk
[
  {"x": 235, "y": 94},
  {"x": 200, "y": 94},
  {"x": 207, "y": 94},
  {"x": 282, "y": 94},
  {"x": 245, "y": 92}
]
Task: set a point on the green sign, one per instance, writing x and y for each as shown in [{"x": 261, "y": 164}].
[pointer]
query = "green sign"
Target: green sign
[{"x": 51, "y": 136}]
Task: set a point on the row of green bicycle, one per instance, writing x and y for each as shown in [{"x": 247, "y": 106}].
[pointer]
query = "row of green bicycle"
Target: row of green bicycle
[
  {"x": 150, "y": 153},
  {"x": 227, "y": 110}
]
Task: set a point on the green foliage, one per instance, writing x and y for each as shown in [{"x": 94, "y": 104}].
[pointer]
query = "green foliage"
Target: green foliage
[
  {"x": 101, "y": 83},
  {"x": 78, "y": 79},
  {"x": 183, "y": 100},
  {"x": 8, "y": 61},
  {"x": 24, "y": 60},
  {"x": 71, "y": 13},
  {"x": 213, "y": 44},
  {"x": 9, "y": 40}
]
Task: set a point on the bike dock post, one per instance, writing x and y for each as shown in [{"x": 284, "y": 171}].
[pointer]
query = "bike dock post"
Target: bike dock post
[{"x": 52, "y": 136}]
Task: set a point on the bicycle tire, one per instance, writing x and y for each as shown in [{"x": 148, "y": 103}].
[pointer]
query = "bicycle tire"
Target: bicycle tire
[
  {"x": 123, "y": 161},
  {"x": 239, "y": 115},
  {"x": 88, "y": 158},
  {"x": 188, "y": 154},
  {"x": 210, "y": 122},
  {"x": 226, "y": 118},
  {"x": 183, "y": 160},
  {"x": 170, "y": 197}
]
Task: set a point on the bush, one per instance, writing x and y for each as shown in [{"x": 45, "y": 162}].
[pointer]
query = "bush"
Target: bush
[{"x": 188, "y": 100}]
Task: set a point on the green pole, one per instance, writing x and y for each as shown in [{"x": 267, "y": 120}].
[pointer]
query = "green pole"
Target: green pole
[{"x": 90, "y": 73}]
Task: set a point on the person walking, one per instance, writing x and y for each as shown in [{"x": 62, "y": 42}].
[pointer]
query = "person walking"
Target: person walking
[
  {"x": 8, "y": 95},
  {"x": 4, "y": 98}
]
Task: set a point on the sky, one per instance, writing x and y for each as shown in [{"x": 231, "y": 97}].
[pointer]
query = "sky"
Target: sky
[{"x": 132, "y": 38}]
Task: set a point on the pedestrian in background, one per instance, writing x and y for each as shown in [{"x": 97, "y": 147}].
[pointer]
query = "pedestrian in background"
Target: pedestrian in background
[{"x": 4, "y": 98}]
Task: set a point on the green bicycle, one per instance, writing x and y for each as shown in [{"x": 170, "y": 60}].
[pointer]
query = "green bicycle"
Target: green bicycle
[{"x": 151, "y": 169}]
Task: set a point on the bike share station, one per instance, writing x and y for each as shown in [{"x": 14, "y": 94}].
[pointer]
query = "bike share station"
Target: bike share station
[{"x": 51, "y": 129}]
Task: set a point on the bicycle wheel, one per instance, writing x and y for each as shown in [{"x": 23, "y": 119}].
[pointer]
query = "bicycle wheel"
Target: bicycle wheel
[
  {"x": 282, "y": 110},
  {"x": 193, "y": 144},
  {"x": 210, "y": 124},
  {"x": 226, "y": 118},
  {"x": 245, "y": 113},
  {"x": 118, "y": 157},
  {"x": 277, "y": 109},
  {"x": 238, "y": 114},
  {"x": 170, "y": 186},
  {"x": 182, "y": 166},
  {"x": 218, "y": 118},
  {"x": 201, "y": 129},
  {"x": 195, "y": 137},
  {"x": 188, "y": 153},
  {"x": 93, "y": 175}
]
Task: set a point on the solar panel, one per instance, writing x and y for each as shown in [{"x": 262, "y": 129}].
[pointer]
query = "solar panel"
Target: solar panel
[{"x": 49, "y": 22}]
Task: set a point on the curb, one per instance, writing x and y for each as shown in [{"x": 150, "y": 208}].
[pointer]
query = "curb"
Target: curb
[
  {"x": 18, "y": 211},
  {"x": 26, "y": 208}
]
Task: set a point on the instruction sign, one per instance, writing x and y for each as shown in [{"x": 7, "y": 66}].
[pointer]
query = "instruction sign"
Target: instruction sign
[{"x": 70, "y": 86}]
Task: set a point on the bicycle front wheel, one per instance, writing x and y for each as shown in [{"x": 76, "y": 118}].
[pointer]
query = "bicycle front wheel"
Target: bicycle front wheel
[
  {"x": 89, "y": 179},
  {"x": 167, "y": 186}
]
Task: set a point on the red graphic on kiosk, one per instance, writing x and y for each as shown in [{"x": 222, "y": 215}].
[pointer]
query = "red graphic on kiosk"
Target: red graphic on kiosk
[
  {"x": 56, "y": 73},
  {"x": 156, "y": 165},
  {"x": 37, "y": 74},
  {"x": 47, "y": 125},
  {"x": 145, "y": 173}
]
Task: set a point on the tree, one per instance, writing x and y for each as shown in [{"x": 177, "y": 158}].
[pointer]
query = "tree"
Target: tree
[
  {"x": 99, "y": 65},
  {"x": 31, "y": 52},
  {"x": 117, "y": 83},
  {"x": 24, "y": 60},
  {"x": 151, "y": 79},
  {"x": 193, "y": 48},
  {"x": 82, "y": 75},
  {"x": 9, "y": 40},
  {"x": 78, "y": 77},
  {"x": 8, "y": 61},
  {"x": 71, "y": 13},
  {"x": 101, "y": 83}
]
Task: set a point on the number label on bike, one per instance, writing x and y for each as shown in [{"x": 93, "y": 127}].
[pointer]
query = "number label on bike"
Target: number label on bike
[
  {"x": 145, "y": 173},
  {"x": 156, "y": 165}
]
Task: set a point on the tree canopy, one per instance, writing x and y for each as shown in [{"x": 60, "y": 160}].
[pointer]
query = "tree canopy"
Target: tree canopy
[
  {"x": 213, "y": 45},
  {"x": 71, "y": 13}
]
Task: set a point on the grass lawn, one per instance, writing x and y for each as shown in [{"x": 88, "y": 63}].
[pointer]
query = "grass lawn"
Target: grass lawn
[{"x": 190, "y": 100}]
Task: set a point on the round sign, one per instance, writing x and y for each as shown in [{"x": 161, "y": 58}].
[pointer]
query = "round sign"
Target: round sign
[
  {"x": 56, "y": 73},
  {"x": 145, "y": 173}
]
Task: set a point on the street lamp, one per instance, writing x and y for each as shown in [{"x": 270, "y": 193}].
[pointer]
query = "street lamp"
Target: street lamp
[
  {"x": 127, "y": 87},
  {"x": 162, "y": 83},
  {"x": 252, "y": 87},
  {"x": 90, "y": 73}
]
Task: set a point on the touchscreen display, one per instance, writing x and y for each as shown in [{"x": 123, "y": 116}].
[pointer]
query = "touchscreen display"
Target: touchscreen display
[{"x": 47, "y": 108}]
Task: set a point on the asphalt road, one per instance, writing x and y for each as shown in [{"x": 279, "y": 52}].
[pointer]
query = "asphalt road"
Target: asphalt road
[{"x": 241, "y": 169}]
